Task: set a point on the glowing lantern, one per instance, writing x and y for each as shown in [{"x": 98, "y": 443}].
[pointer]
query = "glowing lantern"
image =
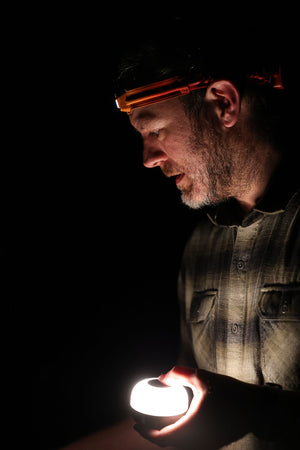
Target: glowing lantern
[{"x": 157, "y": 405}]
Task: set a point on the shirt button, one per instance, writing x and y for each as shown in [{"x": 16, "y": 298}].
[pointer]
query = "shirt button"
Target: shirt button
[
  {"x": 235, "y": 328},
  {"x": 284, "y": 308},
  {"x": 241, "y": 264}
]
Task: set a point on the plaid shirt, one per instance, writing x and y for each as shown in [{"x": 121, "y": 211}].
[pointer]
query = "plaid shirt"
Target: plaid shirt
[{"x": 239, "y": 292}]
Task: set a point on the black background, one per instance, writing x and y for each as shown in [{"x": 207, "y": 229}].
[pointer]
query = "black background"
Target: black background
[
  {"x": 102, "y": 236},
  {"x": 103, "y": 239}
]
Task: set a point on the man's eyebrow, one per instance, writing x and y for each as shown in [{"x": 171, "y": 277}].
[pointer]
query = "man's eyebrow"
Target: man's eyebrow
[{"x": 142, "y": 118}]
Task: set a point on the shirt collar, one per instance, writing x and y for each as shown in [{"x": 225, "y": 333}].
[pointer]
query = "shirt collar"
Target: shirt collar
[{"x": 282, "y": 187}]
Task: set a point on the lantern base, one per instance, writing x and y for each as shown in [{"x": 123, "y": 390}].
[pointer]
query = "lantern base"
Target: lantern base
[{"x": 154, "y": 422}]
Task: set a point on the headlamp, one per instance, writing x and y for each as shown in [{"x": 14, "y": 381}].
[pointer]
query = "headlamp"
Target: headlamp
[
  {"x": 158, "y": 92},
  {"x": 177, "y": 86}
]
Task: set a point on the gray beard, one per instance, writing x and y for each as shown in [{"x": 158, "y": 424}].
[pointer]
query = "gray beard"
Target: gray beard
[{"x": 231, "y": 163}]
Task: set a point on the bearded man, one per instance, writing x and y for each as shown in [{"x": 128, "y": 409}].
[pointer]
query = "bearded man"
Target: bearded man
[{"x": 218, "y": 123}]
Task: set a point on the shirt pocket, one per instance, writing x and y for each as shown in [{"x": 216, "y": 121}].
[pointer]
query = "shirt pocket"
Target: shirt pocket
[
  {"x": 201, "y": 321},
  {"x": 279, "y": 323}
]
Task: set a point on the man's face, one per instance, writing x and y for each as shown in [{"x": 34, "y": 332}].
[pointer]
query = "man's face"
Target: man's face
[{"x": 191, "y": 153}]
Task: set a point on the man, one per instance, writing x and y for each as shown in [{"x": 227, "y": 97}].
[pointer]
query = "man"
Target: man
[{"x": 218, "y": 125}]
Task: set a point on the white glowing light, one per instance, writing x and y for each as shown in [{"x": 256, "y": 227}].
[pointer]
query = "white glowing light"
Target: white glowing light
[{"x": 159, "y": 401}]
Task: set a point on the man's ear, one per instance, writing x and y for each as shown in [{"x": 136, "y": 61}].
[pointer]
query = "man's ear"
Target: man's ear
[{"x": 226, "y": 100}]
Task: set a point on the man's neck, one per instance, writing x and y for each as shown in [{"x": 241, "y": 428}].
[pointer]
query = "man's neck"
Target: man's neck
[{"x": 256, "y": 190}]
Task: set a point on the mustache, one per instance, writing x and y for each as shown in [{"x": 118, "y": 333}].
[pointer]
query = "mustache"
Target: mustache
[{"x": 169, "y": 170}]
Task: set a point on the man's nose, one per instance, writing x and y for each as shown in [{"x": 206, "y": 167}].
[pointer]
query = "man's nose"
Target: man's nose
[{"x": 153, "y": 156}]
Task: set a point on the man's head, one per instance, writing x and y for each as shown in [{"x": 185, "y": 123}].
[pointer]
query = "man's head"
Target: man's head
[
  {"x": 217, "y": 142},
  {"x": 213, "y": 156}
]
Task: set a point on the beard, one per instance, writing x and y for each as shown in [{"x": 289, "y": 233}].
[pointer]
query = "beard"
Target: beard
[
  {"x": 220, "y": 162},
  {"x": 209, "y": 165}
]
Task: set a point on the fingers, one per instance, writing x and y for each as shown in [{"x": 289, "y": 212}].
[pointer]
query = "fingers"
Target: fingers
[
  {"x": 151, "y": 435},
  {"x": 186, "y": 376},
  {"x": 178, "y": 373}
]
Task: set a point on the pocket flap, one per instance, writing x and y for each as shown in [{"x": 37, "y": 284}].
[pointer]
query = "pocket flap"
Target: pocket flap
[
  {"x": 280, "y": 303},
  {"x": 202, "y": 303}
]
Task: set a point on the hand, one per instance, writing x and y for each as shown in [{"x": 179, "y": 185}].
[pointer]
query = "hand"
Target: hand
[{"x": 221, "y": 411}]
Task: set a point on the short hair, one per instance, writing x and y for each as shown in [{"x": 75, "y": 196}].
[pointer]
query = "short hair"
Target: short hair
[{"x": 182, "y": 47}]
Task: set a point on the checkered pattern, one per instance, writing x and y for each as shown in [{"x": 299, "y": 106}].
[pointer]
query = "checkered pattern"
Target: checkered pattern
[
  {"x": 239, "y": 290},
  {"x": 239, "y": 293}
]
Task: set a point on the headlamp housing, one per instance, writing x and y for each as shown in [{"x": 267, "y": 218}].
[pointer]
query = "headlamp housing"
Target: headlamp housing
[{"x": 177, "y": 86}]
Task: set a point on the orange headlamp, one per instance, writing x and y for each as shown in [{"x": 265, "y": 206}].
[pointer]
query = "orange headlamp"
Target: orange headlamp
[
  {"x": 175, "y": 87},
  {"x": 157, "y": 92}
]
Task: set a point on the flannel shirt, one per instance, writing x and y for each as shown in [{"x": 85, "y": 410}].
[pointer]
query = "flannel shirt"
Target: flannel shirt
[{"x": 239, "y": 294}]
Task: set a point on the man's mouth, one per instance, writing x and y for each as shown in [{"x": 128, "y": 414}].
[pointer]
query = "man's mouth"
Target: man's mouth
[{"x": 169, "y": 173}]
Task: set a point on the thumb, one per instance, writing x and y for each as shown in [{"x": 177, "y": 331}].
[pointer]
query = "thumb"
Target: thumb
[{"x": 180, "y": 375}]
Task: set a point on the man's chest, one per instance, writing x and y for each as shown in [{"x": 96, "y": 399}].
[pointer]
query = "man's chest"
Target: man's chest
[{"x": 243, "y": 301}]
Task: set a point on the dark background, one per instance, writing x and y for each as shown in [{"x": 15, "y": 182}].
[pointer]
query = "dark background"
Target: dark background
[
  {"x": 103, "y": 235},
  {"x": 103, "y": 240}
]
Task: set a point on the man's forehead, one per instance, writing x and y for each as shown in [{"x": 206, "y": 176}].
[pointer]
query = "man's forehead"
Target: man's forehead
[{"x": 162, "y": 111}]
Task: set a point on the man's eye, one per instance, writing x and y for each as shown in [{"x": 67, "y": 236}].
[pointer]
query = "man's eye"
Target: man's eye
[{"x": 154, "y": 133}]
